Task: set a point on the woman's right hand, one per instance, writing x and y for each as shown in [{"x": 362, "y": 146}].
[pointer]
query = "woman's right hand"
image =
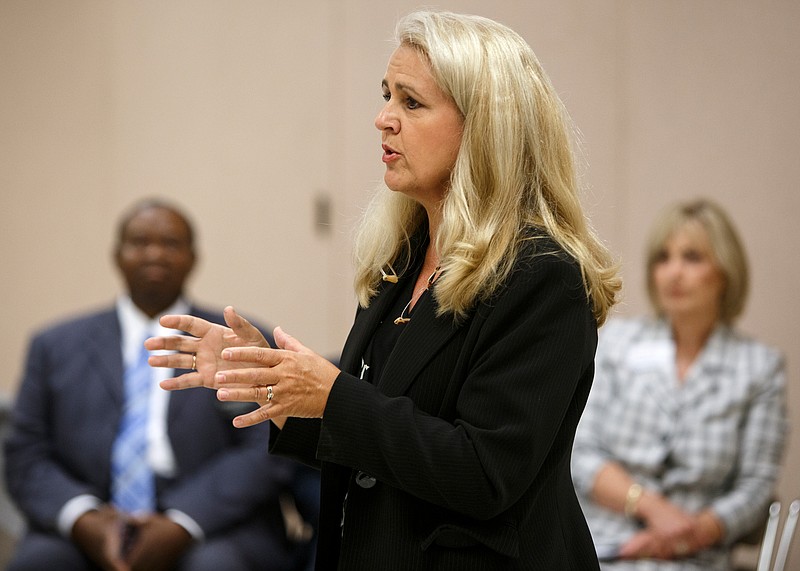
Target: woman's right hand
[
  {"x": 663, "y": 517},
  {"x": 202, "y": 348},
  {"x": 668, "y": 532}
]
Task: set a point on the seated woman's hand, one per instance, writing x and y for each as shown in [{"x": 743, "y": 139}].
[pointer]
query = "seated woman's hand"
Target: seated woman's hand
[
  {"x": 670, "y": 532},
  {"x": 664, "y": 518},
  {"x": 289, "y": 381},
  {"x": 648, "y": 544},
  {"x": 201, "y": 350}
]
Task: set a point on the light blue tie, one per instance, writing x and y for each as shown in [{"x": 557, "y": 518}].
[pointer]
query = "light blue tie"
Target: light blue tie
[{"x": 132, "y": 479}]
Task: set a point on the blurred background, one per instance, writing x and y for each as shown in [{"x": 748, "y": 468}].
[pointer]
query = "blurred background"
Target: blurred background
[{"x": 257, "y": 117}]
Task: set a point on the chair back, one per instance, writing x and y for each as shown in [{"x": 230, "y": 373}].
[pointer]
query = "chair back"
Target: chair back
[{"x": 771, "y": 534}]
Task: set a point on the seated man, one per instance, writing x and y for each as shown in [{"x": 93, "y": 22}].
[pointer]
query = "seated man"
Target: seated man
[{"x": 110, "y": 475}]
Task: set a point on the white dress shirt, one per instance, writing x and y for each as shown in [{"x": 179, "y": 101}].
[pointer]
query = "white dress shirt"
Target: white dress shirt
[{"x": 135, "y": 328}]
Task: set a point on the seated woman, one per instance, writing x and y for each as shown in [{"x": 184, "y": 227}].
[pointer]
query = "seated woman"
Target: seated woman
[{"x": 677, "y": 453}]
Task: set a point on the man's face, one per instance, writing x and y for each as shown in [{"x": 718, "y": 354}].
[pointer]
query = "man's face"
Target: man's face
[{"x": 155, "y": 256}]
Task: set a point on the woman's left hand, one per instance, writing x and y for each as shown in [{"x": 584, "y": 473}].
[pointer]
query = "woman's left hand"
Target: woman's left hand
[
  {"x": 704, "y": 532},
  {"x": 649, "y": 544},
  {"x": 201, "y": 350},
  {"x": 289, "y": 381}
]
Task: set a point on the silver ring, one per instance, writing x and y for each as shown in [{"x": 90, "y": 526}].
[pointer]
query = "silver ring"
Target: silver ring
[
  {"x": 194, "y": 361},
  {"x": 270, "y": 393}
]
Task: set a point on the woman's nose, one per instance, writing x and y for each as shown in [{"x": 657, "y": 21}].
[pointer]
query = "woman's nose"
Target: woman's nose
[
  {"x": 386, "y": 119},
  {"x": 673, "y": 267}
]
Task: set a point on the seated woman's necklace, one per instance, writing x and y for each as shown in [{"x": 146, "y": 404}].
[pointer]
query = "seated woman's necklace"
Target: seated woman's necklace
[{"x": 415, "y": 295}]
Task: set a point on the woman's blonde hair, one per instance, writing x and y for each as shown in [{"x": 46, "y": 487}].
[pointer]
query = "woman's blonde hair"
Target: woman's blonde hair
[
  {"x": 514, "y": 170},
  {"x": 726, "y": 250}
]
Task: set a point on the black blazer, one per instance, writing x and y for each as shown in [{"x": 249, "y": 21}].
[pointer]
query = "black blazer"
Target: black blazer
[{"x": 467, "y": 435}]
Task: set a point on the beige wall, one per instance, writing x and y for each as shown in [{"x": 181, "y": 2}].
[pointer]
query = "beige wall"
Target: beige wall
[{"x": 246, "y": 111}]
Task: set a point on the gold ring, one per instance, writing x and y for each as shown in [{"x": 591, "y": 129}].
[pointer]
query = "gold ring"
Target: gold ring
[
  {"x": 194, "y": 361},
  {"x": 681, "y": 548},
  {"x": 270, "y": 393}
]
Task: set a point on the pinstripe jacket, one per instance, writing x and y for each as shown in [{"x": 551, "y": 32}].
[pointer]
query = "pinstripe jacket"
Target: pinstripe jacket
[
  {"x": 457, "y": 458},
  {"x": 714, "y": 440}
]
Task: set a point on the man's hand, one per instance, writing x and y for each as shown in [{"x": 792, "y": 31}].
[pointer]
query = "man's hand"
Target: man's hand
[
  {"x": 157, "y": 543},
  {"x": 98, "y": 533}
]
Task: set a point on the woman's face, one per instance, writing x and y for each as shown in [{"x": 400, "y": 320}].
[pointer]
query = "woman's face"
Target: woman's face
[
  {"x": 688, "y": 282},
  {"x": 420, "y": 130}
]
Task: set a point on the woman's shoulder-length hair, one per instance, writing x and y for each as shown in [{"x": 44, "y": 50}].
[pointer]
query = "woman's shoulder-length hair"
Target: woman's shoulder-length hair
[
  {"x": 514, "y": 170},
  {"x": 726, "y": 249}
]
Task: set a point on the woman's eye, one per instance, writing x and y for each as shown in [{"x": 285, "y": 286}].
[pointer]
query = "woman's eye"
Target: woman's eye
[
  {"x": 412, "y": 103},
  {"x": 386, "y": 96},
  {"x": 693, "y": 256}
]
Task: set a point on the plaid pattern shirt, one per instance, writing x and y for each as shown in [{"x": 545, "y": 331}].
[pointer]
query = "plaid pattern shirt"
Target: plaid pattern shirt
[{"x": 715, "y": 440}]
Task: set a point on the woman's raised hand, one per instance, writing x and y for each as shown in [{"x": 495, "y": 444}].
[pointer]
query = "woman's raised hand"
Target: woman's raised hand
[
  {"x": 201, "y": 350},
  {"x": 291, "y": 380}
]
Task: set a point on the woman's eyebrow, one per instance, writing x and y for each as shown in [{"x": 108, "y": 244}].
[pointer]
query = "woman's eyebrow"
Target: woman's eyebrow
[{"x": 401, "y": 87}]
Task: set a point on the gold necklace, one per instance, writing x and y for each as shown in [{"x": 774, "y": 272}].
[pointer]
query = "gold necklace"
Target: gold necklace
[{"x": 402, "y": 320}]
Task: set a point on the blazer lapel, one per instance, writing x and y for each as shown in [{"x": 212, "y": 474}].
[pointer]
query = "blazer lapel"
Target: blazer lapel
[
  {"x": 104, "y": 341},
  {"x": 367, "y": 320},
  {"x": 365, "y": 324},
  {"x": 422, "y": 339}
]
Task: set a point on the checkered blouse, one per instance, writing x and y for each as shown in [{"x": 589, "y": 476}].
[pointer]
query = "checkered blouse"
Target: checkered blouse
[{"x": 714, "y": 440}]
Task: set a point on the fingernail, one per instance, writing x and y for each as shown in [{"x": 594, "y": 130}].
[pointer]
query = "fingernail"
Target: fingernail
[
  {"x": 227, "y": 354},
  {"x": 222, "y": 394},
  {"x": 219, "y": 377}
]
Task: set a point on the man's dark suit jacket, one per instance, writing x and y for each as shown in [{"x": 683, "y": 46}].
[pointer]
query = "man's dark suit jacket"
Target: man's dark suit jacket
[
  {"x": 64, "y": 424},
  {"x": 459, "y": 458}
]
